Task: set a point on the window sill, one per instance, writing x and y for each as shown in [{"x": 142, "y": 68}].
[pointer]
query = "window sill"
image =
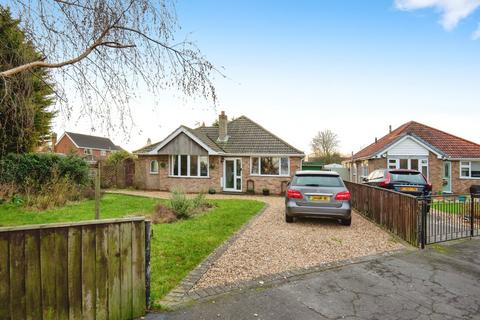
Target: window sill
[
  {"x": 188, "y": 177},
  {"x": 469, "y": 178},
  {"x": 153, "y": 173}
]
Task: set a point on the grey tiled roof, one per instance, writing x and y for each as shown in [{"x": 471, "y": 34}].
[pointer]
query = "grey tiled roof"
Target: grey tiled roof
[
  {"x": 245, "y": 137},
  {"x": 92, "y": 142}
]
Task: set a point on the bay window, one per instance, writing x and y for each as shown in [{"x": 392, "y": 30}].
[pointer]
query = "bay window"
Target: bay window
[
  {"x": 188, "y": 166},
  {"x": 470, "y": 169},
  {"x": 270, "y": 166}
]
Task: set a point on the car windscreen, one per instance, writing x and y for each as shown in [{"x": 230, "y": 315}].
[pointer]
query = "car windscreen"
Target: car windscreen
[
  {"x": 317, "y": 181},
  {"x": 407, "y": 177}
]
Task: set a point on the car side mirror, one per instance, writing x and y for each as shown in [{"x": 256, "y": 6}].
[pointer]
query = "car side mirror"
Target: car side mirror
[{"x": 365, "y": 179}]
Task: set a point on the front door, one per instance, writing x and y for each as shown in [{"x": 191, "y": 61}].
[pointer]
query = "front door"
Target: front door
[
  {"x": 232, "y": 175},
  {"x": 447, "y": 177}
]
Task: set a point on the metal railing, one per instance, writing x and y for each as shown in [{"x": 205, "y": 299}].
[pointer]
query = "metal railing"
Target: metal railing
[{"x": 449, "y": 217}]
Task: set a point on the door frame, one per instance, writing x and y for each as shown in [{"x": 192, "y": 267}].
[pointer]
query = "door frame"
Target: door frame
[
  {"x": 235, "y": 177},
  {"x": 449, "y": 177}
]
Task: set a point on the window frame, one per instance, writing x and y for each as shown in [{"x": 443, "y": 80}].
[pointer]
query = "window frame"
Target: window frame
[
  {"x": 151, "y": 162},
  {"x": 422, "y": 162},
  {"x": 469, "y": 166},
  {"x": 179, "y": 171},
  {"x": 88, "y": 151},
  {"x": 103, "y": 153},
  {"x": 259, "y": 174}
]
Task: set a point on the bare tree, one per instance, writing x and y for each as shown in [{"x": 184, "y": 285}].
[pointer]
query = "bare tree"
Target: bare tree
[
  {"x": 325, "y": 145},
  {"x": 104, "y": 51}
]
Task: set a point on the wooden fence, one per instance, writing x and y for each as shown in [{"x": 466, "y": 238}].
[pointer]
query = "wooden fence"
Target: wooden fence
[
  {"x": 85, "y": 270},
  {"x": 396, "y": 212}
]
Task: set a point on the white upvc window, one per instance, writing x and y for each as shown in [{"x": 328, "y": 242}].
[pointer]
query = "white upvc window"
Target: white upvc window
[
  {"x": 418, "y": 164},
  {"x": 154, "y": 167},
  {"x": 270, "y": 166},
  {"x": 103, "y": 153},
  {"x": 470, "y": 169},
  {"x": 393, "y": 163},
  {"x": 192, "y": 166},
  {"x": 87, "y": 151}
]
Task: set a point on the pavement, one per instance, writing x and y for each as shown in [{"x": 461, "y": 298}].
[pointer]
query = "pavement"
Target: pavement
[{"x": 441, "y": 282}]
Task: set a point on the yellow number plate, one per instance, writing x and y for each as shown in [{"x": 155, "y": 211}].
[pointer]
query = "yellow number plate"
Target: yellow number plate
[
  {"x": 408, "y": 189},
  {"x": 319, "y": 198}
]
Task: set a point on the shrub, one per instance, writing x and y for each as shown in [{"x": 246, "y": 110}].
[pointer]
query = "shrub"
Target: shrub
[
  {"x": 43, "y": 180},
  {"x": 251, "y": 191},
  {"x": 266, "y": 191},
  {"x": 212, "y": 191},
  {"x": 39, "y": 168},
  {"x": 180, "y": 204},
  {"x": 184, "y": 208}
]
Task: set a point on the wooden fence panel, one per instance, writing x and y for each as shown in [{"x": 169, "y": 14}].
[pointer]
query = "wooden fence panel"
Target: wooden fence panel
[
  {"x": 89, "y": 270},
  {"x": 396, "y": 212}
]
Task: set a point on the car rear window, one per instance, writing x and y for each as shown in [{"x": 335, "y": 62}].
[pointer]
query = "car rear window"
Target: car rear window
[
  {"x": 408, "y": 177},
  {"x": 317, "y": 181}
]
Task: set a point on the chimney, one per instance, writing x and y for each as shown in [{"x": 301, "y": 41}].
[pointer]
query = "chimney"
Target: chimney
[
  {"x": 149, "y": 141},
  {"x": 53, "y": 139},
  {"x": 376, "y": 139},
  {"x": 390, "y": 129},
  {"x": 222, "y": 127}
]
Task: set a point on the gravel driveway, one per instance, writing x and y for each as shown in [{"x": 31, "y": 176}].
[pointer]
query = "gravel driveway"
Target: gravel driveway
[{"x": 270, "y": 245}]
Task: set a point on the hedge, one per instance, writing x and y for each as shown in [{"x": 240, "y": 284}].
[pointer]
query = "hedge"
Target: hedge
[{"x": 39, "y": 168}]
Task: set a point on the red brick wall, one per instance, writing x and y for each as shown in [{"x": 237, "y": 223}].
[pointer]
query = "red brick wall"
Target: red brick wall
[
  {"x": 66, "y": 146},
  {"x": 461, "y": 185},
  {"x": 161, "y": 181}
]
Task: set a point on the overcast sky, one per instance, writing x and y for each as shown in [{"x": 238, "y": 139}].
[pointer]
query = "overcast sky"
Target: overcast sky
[{"x": 298, "y": 67}]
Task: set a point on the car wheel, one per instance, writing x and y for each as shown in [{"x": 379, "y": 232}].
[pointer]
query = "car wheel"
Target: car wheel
[
  {"x": 346, "y": 222},
  {"x": 288, "y": 219}
]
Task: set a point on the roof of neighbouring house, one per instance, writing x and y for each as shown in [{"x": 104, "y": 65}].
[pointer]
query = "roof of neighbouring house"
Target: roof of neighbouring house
[
  {"x": 446, "y": 144},
  {"x": 244, "y": 137},
  {"x": 91, "y": 142}
]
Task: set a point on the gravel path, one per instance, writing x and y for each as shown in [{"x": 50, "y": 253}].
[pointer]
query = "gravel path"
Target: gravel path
[{"x": 270, "y": 245}]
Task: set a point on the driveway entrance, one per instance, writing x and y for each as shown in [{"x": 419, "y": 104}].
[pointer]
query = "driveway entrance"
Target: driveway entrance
[{"x": 441, "y": 282}]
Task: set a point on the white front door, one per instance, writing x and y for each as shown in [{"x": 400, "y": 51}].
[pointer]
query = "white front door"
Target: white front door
[{"x": 232, "y": 175}]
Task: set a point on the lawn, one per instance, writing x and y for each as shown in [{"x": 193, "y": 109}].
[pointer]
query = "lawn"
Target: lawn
[
  {"x": 176, "y": 248},
  {"x": 455, "y": 207}
]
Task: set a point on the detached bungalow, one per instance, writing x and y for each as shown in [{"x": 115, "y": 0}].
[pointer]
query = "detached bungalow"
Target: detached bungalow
[
  {"x": 235, "y": 156},
  {"x": 451, "y": 163}
]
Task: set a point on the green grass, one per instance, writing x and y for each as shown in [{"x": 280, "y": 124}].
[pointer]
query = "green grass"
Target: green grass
[
  {"x": 455, "y": 207},
  {"x": 176, "y": 248},
  {"x": 111, "y": 206}
]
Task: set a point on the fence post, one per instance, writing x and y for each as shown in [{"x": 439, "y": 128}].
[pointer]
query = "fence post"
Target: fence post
[
  {"x": 148, "y": 233},
  {"x": 423, "y": 224},
  {"x": 472, "y": 212}
]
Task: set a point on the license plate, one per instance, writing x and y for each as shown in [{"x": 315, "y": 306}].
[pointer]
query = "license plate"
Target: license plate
[
  {"x": 408, "y": 189},
  {"x": 319, "y": 198}
]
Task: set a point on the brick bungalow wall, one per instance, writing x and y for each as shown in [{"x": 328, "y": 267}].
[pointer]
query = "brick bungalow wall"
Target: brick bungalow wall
[{"x": 161, "y": 181}]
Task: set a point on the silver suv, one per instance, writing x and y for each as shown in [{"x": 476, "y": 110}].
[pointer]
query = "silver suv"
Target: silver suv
[{"x": 319, "y": 194}]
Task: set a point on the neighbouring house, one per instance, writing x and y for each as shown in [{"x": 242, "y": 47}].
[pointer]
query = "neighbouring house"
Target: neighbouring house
[
  {"x": 452, "y": 164},
  {"x": 235, "y": 156},
  {"x": 92, "y": 148}
]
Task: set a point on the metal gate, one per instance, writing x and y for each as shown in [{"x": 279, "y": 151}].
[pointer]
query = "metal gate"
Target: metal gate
[{"x": 449, "y": 217}]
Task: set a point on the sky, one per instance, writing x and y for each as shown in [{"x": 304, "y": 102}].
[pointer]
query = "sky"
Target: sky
[{"x": 299, "y": 67}]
